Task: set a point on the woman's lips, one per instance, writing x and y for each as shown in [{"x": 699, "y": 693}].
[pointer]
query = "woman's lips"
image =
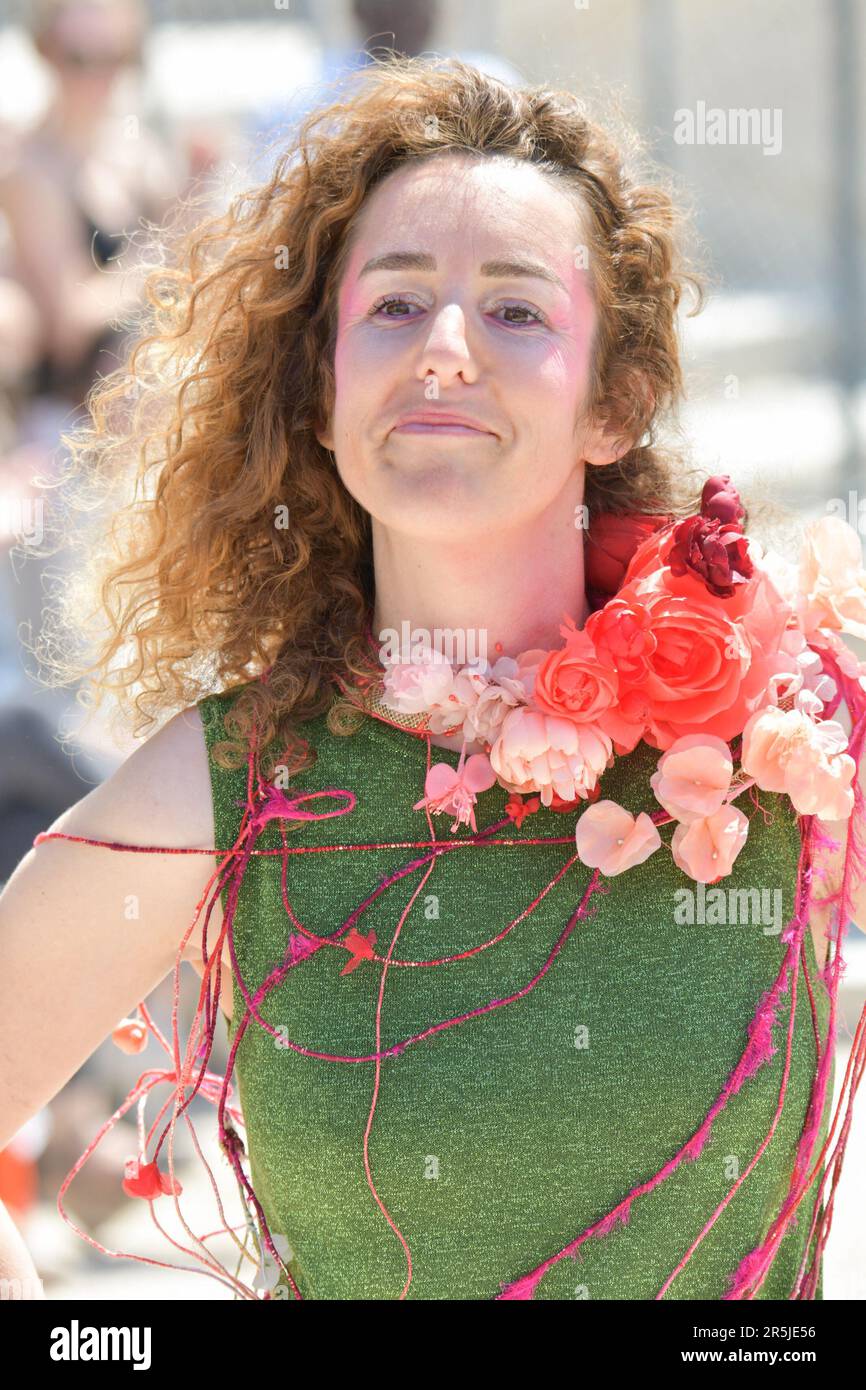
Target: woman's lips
[{"x": 419, "y": 427}]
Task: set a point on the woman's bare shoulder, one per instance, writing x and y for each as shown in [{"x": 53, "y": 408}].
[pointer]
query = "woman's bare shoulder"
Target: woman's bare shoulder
[
  {"x": 159, "y": 796},
  {"x": 164, "y": 785}
]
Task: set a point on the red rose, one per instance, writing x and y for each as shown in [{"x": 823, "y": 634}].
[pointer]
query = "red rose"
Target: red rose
[
  {"x": 611, "y": 541},
  {"x": 720, "y": 500},
  {"x": 717, "y": 552}
]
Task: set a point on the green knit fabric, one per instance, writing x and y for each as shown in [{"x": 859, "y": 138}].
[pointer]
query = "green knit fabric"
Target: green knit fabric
[{"x": 496, "y": 1142}]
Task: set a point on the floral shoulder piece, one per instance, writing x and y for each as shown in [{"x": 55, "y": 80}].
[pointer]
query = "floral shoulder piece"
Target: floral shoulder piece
[{"x": 709, "y": 640}]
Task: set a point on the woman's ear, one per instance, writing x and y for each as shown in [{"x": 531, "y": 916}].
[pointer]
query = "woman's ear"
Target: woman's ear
[
  {"x": 603, "y": 444},
  {"x": 325, "y": 437},
  {"x": 601, "y": 448},
  {"x": 616, "y": 433}
]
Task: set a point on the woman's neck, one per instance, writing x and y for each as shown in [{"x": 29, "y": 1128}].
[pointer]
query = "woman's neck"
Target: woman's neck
[{"x": 496, "y": 595}]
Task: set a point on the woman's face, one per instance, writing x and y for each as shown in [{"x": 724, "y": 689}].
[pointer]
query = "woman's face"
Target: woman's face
[
  {"x": 89, "y": 45},
  {"x": 484, "y": 309}
]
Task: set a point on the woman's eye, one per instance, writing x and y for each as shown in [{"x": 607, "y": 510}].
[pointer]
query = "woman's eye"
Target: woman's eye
[
  {"x": 381, "y": 307},
  {"x": 391, "y": 299},
  {"x": 535, "y": 315}
]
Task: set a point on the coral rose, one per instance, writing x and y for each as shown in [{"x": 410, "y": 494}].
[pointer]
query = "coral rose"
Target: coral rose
[
  {"x": 573, "y": 682},
  {"x": 622, "y": 637},
  {"x": 706, "y": 673},
  {"x": 751, "y": 598}
]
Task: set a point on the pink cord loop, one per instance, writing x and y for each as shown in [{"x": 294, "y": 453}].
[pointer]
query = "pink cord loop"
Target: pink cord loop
[{"x": 277, "y": 806}]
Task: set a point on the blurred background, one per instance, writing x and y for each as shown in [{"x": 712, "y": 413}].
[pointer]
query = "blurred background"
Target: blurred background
[{"x": 112, "y": 113}]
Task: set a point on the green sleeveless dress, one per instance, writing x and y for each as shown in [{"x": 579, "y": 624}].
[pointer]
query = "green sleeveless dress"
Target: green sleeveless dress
[{"x": 494, "y": 1143}]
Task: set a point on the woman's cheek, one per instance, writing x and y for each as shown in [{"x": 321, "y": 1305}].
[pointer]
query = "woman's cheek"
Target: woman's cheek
[{"x": 558, "y": 376}]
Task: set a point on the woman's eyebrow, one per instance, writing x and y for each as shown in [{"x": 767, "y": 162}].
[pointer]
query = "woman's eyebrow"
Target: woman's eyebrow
[{"x": 500, "y": 269}]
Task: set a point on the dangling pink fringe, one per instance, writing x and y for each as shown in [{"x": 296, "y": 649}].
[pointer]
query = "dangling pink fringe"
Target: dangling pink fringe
[{"x": 265, "y": 803}]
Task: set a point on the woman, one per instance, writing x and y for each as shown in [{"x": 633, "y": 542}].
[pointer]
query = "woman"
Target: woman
[{"x": 465, "y": 1048}]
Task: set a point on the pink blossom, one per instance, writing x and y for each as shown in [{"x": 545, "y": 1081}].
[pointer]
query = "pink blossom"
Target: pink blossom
[
  {"x": 412, "y": 686},
  {"x": 611, "y": 839},
  {"x": 498, "y": 688},
  {"x": 706, "y": 849},
  {"x": 448, "y": 713},
  {"x": 801, "y": 676},
  {"x": 454, "y": 791},
  {"x": 693, "y": 777}
]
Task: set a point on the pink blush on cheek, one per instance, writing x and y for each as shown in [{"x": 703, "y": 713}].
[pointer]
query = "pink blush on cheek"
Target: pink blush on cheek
[
  {"x": 586, "y": 318},
  {"x": 355, "y": 295}
]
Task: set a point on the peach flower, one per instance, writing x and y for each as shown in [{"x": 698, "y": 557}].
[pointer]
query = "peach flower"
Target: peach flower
[
  {"x": 786, "y": 751},
  {"x": 130, "y": 1035},
  {"x": 537, "y": 752},
  {"x": 693, "y": 777},
  {"x": 832, "y": 579},
  {"x": 611, "y": 839},
  {"x": 706, "y": 849}
]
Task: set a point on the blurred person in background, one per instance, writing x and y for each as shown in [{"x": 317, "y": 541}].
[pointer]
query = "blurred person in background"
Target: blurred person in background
[
  {"x": 72, "y": 188},
  {"x": 81, "y": 180},
  {"x": 407, "y": 27}
]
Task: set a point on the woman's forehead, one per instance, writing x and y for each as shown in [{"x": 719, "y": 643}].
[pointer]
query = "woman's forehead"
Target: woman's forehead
[{"x": 509, "y": 206}]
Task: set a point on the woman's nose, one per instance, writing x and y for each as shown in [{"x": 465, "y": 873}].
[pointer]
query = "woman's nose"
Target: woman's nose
[{"x": 447, "y": 351}]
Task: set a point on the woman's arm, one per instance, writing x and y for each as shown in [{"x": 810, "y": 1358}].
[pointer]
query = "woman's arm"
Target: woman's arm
[
  {"x": 17, "y": 1270},
  {"x": 86, "y": 933}
]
